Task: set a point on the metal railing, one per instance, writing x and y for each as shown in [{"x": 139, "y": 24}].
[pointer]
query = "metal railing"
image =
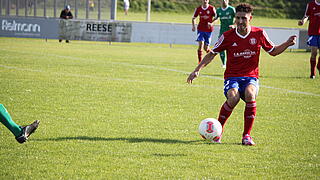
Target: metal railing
[{"x": 81, "y": 9}]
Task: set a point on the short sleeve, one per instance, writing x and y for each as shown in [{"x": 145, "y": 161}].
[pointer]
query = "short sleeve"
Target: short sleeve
[
  {"x": 196, "y": 12},
  {"x": 266, "y": 43},
  {"x": 234, "y": 11},
  {"x": 308, "y": 11},
  {"x": 217, "y": 12},
  {"x": 220, "y": 45},
  {"x": 214, "y": 12}
]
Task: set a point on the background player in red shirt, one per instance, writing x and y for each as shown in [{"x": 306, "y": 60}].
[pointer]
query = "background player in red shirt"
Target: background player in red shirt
[
  {"x": 313, "y": 14},
  {"x": 206, "y": 12},
  {"x": 243, "y": 46}
]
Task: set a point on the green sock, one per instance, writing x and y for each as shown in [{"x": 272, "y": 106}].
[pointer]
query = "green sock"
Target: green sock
[
  {"x": 6, "y": 120},
  {"x": 223, "y": 57}
]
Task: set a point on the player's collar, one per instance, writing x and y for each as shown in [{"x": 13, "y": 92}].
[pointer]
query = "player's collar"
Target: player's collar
[
  {"x": 204, "y": 8},
  {"x": 223, "y": 9},
  {"x": 243, "y": 37}
]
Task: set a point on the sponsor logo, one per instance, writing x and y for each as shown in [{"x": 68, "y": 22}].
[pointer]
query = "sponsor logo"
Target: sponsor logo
[
  {"x": 226, "y": 17},
  {"x": 7, "y": 25},
  {"x": 99, "y": 27},
  {"x": 205, "y": 17},
  {"x": 234, "y": 44},
  {"x": 107, "y": 28},
  {"x": 245, "y": 54}
]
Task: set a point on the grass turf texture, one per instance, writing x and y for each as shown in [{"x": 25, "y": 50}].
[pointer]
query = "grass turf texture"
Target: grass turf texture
[{"x": 124, "y": 111}]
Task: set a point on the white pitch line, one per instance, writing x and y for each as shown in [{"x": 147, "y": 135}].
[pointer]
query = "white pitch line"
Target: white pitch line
[
  {"x": 154, "y": 67},
  {"x": 108, "y": 78}
]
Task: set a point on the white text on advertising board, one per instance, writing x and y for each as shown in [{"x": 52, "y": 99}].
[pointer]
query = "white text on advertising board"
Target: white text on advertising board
[{"x": 19, "y": 27}]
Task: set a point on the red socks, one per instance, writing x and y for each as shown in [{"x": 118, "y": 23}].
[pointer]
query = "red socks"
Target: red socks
[
  {"x": 313, "y": 63},
  {"x": 249, "y": 116},
  {"x": 224, "y": 114},
  {"x": 199, "y": 56}
]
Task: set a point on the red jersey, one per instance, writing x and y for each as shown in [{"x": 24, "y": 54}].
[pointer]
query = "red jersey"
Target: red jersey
[
  {"x": 206, "y": 16},
  {"x": 243, "y": 51},
  {"x": 313, "y": 12}
]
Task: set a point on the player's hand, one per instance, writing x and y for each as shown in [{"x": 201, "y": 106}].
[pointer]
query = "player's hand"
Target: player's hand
[
  {"x": 292, "y": 40},
  {"x": 193, "y": 28},
  {"x": 300, "y": 23},
  {"x": 192, "y": 76},
  {"x": 210, "y": 24}
]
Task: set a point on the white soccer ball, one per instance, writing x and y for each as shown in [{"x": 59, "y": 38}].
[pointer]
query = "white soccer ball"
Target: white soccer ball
[{"x": 210, "y": 129}]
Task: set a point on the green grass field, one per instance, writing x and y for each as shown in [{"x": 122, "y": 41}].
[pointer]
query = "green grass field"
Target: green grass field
[{"x": 124, "y": 111}]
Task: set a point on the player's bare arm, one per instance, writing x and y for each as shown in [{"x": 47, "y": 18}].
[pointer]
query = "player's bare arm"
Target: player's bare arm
[
  {"x": 282, "y": 47},
  {"x": 206, "y": 60},
  {"x": 303, "y": 20},
  {"x": 214, "y": 19},
  {"x": 193, "y": 24}
]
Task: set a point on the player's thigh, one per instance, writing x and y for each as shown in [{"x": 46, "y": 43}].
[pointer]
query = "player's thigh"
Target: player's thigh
[
  {"x": 207, "y": 38},
  {"x": 200, "y": 36},
  {"x": 231, "y": 91},
  {"x": 250, "y": 93}
]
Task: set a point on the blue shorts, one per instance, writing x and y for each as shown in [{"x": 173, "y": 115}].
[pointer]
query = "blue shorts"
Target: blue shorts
[
  {"x": 314, "y": 40},
  {"x": 240, "y": 83},
  {"x": 204, "y": 36}
]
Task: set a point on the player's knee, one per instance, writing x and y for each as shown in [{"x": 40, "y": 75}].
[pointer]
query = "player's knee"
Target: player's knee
[
  {"x": 233, "y": 99},
  {"x": 314, "y": 53},
  {"x": 250, "y": 96},
  {"x": 250, "y": 93}
]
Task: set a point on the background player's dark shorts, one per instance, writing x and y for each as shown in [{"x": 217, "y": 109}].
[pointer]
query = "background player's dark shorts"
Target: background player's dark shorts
[
  {"x": 314, "y": 40},
  {"x": 204, "y": 36}
]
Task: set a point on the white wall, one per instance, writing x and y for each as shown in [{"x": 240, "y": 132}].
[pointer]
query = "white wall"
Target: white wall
[
  {"x": 181, "y": 33},
  {"x": 167, "y": 33}
]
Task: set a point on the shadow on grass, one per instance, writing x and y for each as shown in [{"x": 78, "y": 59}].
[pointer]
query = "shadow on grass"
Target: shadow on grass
[
  {"x": 130, "y": 140},
  {"x": 133, "y": 140}
]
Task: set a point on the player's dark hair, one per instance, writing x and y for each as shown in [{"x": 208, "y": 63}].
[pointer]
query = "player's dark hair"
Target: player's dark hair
[{"x": 244, "y": 7}]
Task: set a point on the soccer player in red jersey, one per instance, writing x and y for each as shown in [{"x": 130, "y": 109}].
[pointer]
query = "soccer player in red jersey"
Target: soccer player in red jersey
[
  {"x": 206, "y": 12},
  {"x": 242, "y": 45},
  {"x": 313, "y": 14}
]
